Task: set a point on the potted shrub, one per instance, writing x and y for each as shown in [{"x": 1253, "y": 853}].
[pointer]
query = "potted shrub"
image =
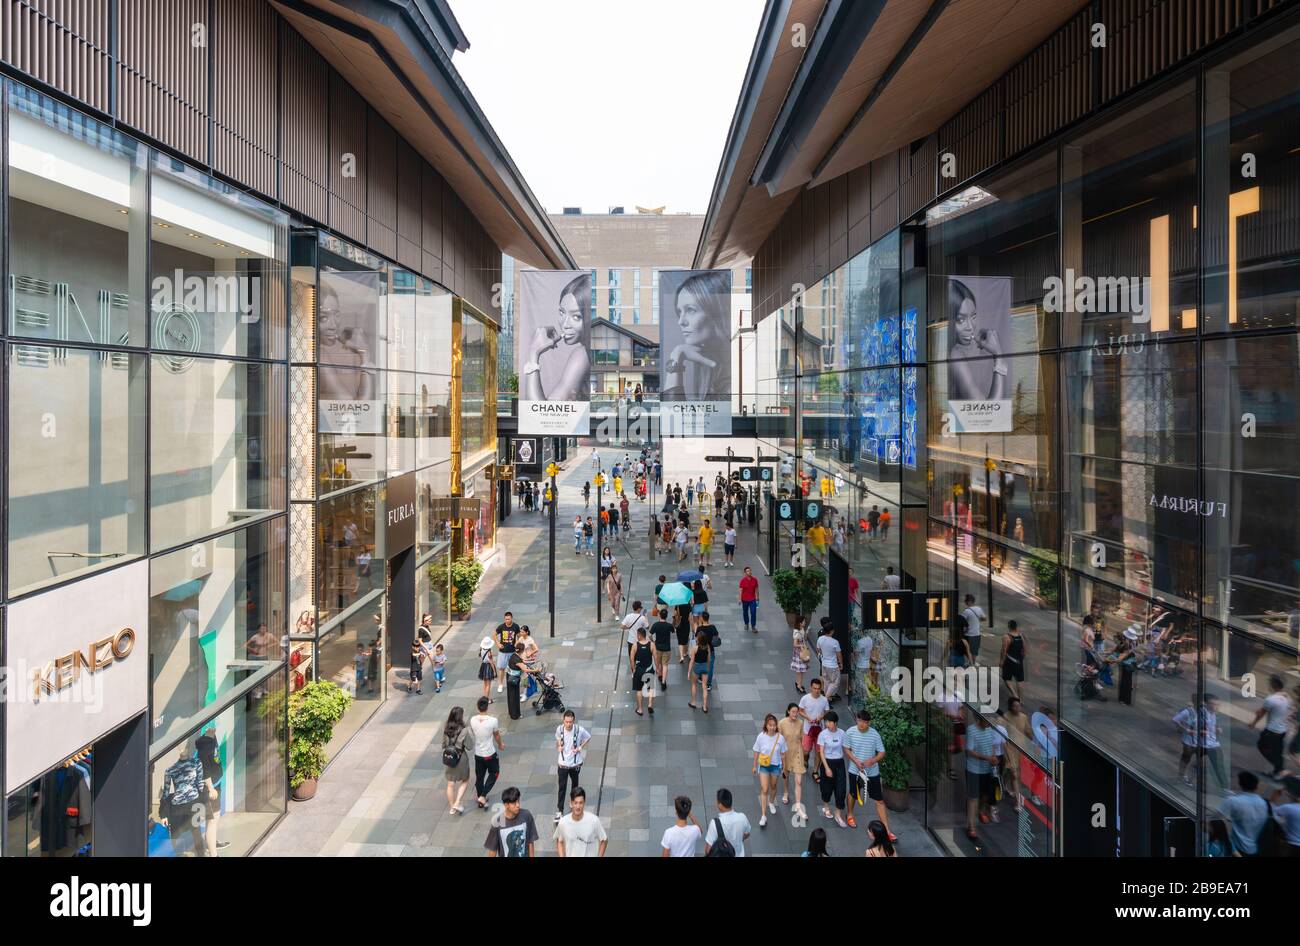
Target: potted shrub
[
  {"x": 900, "y": 731},
  {"x": 799, "y": 593},
  {"x": 313, "y": 711},
  {"x": 466, "y": 575}
]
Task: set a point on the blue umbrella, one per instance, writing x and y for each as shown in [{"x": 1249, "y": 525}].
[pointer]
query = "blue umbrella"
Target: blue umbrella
[
  {"x": 675, "y": 593},
  {"x": 690, "y": 575}
]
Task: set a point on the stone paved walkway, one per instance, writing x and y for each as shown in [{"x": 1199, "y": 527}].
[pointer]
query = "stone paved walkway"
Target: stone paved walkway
[{"x": 385, "y": 792}]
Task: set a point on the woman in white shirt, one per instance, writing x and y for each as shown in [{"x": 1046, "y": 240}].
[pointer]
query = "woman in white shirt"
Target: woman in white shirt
[{"x": 769, "y": 750}]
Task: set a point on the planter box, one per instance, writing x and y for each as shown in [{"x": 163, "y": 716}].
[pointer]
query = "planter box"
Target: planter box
[
  {"x": 896, "y": 799},
  {"x": 306, "y": 791}
]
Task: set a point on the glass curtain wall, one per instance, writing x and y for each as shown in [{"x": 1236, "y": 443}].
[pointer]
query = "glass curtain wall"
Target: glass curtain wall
[{"x": 145, "y": 310}]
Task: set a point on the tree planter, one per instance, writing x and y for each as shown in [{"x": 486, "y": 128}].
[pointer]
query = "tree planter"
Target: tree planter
[
  {"x": 896, "y": 799},
  {"x": 460, "y": 616},
  {"x": 306, "y": 791}
]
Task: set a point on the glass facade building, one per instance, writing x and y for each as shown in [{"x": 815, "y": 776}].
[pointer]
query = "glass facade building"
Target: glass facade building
[
  {"x": 224, "y": 364},
  {"x": 1126, "y": 294}
]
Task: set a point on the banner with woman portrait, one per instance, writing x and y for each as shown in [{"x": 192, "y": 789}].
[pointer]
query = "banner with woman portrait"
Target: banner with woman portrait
[
  {"x": 979, "y": 331},
  {"x": 553, "y": 357},
  {"x": 695, "y": 352}
]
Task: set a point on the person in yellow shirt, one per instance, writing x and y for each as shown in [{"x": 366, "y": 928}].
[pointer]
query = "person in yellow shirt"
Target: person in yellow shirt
[
  {"x": 816, "y": 537},
  {"x": 618, "y": 486},
  {"x": 706, "y": 542},
  {"x": 826, "y": 487}
]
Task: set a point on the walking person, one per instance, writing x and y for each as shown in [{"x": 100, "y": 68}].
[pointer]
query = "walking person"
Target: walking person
[
  {"x": 614, "y": 589},
  {"x": 633, "y": 622},
  {"x": 643, "y": 678},
  {"x": 1012, "y": 658},
  {"x": 749, "y": 599},
  {"x": 831, "y": 657},
  {"x": 486, "y": 671},
  {"x": 577, "y": 535},
  {"x": 1276, "y": 713},
  {"x": 980, "y": 760},
  {"x": 586, "y": 495},
  {"x": 607, "y": 561},
  {"x": 730, "y": 825},
  {"x": 683, "y": 624},
  {"x": 681, "y": 838},
  {"x": 662, "y": 633},
  {"x": 698, "y": 602},
  {"x": 882, "y": 842},
  {"x": 864, "y": 748},
  {"x": 571, "y": 744},
  {"x": 679, "y": 539},
  {"x": 769, "y": 753},
  {"x": 457, "y": 746},
  {"x": 588, "y": 536},
  {"x": 813, "y": 706},
  {"x": 579, "y": 834},
  {"x": 700, "y": 668},
  {"x": 513, "y": 832},
  {"x": 514, "y": 674},
  {"x": 439, "y": 667},
  {"x": 419, "y": 654},
  {"x": 793, "y": 765},
  {"x": 705, "y": 538},
  {"x": 801, "y": 654},
  {"x": 830, "y": 763},
  {"x": 486, "y": 733},
  {"x": 507, "y": 633},
  {"x": 973, "y": 615},
  {"x": 728, "y": 545}
]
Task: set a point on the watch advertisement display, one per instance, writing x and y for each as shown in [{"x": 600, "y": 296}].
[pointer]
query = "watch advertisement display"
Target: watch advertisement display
[
  {"x": 553, "y": 358},
  {"x": 695, "y": 352},
  {"x": 979, "y": 332}
]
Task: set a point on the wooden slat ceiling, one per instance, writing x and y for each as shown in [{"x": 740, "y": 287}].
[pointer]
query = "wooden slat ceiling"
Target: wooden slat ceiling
[
  {"x": 737, "y": 200},
  {"x": 968, "y": 48},
  {"x": 358, "y": 63}
]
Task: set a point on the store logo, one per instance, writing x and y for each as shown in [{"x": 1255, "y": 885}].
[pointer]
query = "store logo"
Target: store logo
[
  {"x": 918, "y": 684},
  {"x": 1105, "y": 294},
  {"x": 1189, "y": 504},
  {"x": 75, "y": 899},
  {"x": 213, "y": 294},
  {"x": 400, "y": 513},
  {"x": 64, "y": 672}
]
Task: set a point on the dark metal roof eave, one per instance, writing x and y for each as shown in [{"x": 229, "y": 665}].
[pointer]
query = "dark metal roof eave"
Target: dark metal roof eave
[
  {"x": 760, "y": 62},
  {"x": 410, "y": 26}
]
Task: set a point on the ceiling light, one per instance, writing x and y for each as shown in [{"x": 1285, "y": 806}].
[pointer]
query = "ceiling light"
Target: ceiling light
[{"x": 958, "y": 204}]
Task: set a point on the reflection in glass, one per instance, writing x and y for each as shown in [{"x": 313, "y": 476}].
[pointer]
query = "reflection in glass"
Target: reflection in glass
[
  {"x": 217, "y": 448},
  {"x": 77, "y": 486}
]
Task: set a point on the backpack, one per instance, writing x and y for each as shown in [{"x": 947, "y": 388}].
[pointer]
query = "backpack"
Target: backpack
[
  {"x": 451, "y": 753},
  {"x": 721, "y": 847}
]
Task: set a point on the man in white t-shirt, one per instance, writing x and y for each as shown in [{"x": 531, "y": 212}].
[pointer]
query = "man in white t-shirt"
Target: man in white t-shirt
[
  {"x": 735, "y": 826},
  {"x": 974, "y": 615},
  {"x": 634, "y": 622},
  {"x": 812, "y": 707},
  {"x": 863, "y": 648},
  {"x": 681, "y": 838},
  {"x": 891, "y": 582},
  {"x": 1277, "y": 709},
  {"x": 486, "y": 731},
  {"x": 832, "y": 660},
  {"x": 579, "y": 834}
]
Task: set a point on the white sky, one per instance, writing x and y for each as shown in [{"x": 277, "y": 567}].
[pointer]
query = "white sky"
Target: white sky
[{"x": 609, "y": 102}]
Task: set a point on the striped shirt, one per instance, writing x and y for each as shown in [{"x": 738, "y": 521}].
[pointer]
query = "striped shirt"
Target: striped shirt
[
  {"x": 863, "y": 745},
  {"x": 981, "y": 740}
]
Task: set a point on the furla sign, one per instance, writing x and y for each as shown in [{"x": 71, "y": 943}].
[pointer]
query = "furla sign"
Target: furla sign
[
  {"x": 399, "y": 514},
  {"x": 76, "y": 667}
]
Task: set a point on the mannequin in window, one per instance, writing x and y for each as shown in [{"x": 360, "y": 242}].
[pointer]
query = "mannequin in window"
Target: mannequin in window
[{"x": 560, "y": 347}]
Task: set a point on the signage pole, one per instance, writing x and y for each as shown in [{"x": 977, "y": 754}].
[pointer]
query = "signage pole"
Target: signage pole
[
  {"x": 555, "y": 497},
  {"x": 600, "y": 531}
]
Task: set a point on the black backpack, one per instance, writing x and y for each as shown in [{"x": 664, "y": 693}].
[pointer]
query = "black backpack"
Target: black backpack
[
  {"x": 721, "y": 847},
  {"x": 452, "y": 752},
  {"x": 1269, "y": 842}
]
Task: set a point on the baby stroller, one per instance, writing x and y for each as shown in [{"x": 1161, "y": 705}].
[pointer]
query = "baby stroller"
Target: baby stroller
[
  {"x": 1087, "y": 686},
  {"x": 548, "y": 697}
]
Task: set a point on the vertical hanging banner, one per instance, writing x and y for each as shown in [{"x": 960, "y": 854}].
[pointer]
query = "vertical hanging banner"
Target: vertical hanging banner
[
  {"x": 553, "y": 359},
  {"x": 979, "y": 332},
  {"x": 695, "y": 352}
]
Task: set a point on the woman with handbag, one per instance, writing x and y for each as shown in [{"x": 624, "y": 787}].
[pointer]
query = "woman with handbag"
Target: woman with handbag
[
  {"x": 614, "y": 589},
  {"x": 801, "y": 656},
  {"x": 769, "y": 752},
  {"x": 486, "y": 666},
  {"x": 456, "y": 750}
]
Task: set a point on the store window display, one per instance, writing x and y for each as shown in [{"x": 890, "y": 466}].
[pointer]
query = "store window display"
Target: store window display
[{"x": 54, "y": 815}]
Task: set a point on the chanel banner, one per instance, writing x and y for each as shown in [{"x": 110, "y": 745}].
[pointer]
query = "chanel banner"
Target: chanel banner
[
  {"x": 695, "y": 351},
  {"x": 553, "y": 357}
]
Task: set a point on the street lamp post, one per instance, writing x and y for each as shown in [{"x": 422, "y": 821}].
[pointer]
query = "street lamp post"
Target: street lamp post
[
  {"x": 553, "y": 501},
  {"x": 599, "y": 480}
]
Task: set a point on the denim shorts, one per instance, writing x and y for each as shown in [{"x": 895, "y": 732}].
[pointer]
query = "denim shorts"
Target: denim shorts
[
  {"x": 697, "y": 609},
  {"x": 770, "y": 769}
]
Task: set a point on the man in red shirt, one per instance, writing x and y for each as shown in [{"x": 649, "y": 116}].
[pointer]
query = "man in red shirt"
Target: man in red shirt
[{"x": 749, "y": 600}]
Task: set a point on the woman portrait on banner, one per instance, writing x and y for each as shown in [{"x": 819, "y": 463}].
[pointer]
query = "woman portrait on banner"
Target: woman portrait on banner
[
  {"x": 699, "y": 367},
  {"x": 558, "y": 347},
  {"x": 342, "y": 346},
  {"x": 976, "y": 371}
]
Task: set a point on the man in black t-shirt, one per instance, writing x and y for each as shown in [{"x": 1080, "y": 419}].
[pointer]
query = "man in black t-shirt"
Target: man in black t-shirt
[
  {"x": 662, "y": 633},
  {"x": 507, "y": 633},
  {"x": 714, "y": 641}
]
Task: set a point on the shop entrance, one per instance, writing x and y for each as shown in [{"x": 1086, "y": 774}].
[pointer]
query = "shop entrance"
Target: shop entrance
[{"x": 401, "y": 606}]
